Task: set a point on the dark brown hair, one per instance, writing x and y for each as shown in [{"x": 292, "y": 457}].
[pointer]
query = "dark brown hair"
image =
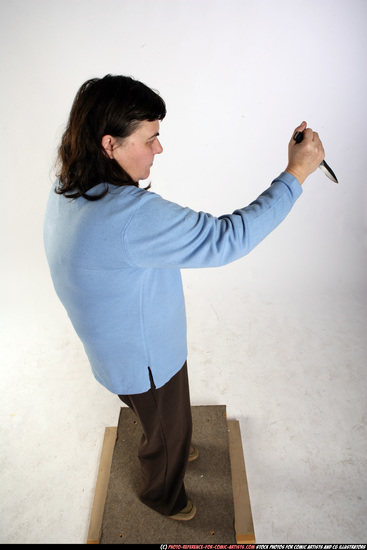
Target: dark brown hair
[{"x": 113, "y": 105}]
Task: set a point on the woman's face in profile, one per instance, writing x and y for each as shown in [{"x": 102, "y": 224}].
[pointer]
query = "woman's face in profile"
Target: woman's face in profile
[{"x": 135, "y": 154}]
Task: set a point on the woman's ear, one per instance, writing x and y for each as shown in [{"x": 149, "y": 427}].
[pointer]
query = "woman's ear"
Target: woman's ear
[{"x": 107, "y": 144}]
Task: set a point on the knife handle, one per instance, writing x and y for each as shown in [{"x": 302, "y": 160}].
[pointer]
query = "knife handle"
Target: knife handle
[{"x": 298, "y": 136}]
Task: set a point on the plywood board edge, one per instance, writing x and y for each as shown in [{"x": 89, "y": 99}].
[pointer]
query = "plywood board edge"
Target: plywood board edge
[
  {"x": 100, "y": 493},
  {"x": 242, "y": 507}
]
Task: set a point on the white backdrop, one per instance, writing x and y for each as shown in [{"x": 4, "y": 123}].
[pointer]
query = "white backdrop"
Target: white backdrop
[{"x": 237, "y": 77}]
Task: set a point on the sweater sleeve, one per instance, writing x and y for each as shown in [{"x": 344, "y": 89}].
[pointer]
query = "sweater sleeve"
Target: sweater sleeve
[{"x": 162, "y": 234}]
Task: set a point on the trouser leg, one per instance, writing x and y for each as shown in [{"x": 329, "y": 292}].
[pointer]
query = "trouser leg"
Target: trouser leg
[{"x": 165, "y": 416}]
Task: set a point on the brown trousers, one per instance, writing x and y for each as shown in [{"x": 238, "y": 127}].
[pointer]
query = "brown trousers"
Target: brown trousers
[{"x": 165, "y": 416}]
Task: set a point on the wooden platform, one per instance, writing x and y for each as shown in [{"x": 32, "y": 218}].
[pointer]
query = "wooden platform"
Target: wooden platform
[{"x": 216, "y": 482}]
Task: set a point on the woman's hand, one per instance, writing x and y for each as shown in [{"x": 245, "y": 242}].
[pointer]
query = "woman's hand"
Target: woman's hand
[{"x": 304, "y": 157}]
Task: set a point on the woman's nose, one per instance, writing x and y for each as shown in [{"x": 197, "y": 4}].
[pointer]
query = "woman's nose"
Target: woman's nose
[{"x": 158, "y": 148}]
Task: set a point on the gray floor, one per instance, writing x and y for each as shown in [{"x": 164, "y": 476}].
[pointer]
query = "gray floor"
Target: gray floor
[{"x": 293, "y": 374}]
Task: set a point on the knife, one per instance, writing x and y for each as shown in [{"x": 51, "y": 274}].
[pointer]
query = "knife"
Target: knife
[{"x": 298, "y": 136}]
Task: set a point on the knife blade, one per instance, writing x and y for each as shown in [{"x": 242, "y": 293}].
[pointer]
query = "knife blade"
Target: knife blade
[{"x": 298, "y": 137}]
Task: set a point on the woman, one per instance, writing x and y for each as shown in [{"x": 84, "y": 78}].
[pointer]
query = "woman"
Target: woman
[{"x": 115, "y": 252}]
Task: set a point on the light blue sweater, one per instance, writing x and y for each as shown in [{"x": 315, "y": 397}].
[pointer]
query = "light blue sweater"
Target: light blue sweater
[{"x": 115, "y": 264}]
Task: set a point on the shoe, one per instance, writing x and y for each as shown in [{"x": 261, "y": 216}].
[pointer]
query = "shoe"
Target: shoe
[
  {"x": 194, "y": 453},
  {"x": 186, "y": 513}
]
